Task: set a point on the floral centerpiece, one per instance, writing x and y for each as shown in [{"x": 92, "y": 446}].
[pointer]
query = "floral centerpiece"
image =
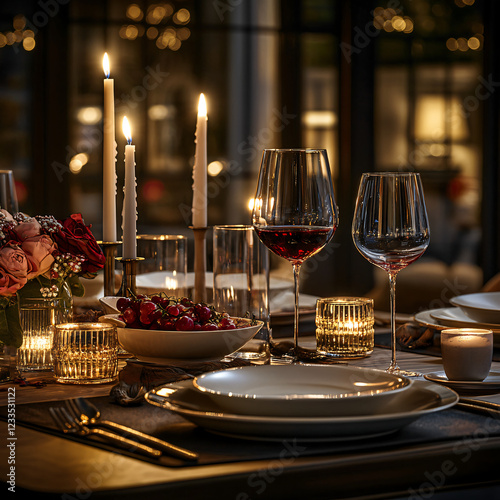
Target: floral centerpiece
[{"x": 41, "y": 257}]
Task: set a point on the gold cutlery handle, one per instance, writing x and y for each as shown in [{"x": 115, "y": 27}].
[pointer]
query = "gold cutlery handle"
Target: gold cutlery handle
[
  {"x": 134, "y": 445},
  {"x": 168, "y": 447}
]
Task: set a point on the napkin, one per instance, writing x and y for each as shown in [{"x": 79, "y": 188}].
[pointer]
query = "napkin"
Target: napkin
[{"x": 138, "y": 377}]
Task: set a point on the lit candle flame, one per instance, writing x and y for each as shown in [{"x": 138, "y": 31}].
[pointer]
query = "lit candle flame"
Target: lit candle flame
[
  {"x": 105, "y": 64},
  {"x": 202, "y": 106},
  {"x": 126, "y": 130}
]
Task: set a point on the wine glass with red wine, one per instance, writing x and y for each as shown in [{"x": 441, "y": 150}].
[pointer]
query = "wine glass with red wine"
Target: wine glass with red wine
[
  {"x": 294, "y": 213},
  {"x": 391, "y": 230}
]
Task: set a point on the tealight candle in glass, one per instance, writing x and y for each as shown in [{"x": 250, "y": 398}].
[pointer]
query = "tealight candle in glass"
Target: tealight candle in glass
[
  {"x": 344, "y": 326},
  {"x": 38, "y": 316},
  {"x": 85, "y": 353},
  {"x": 467, "y": 353}
]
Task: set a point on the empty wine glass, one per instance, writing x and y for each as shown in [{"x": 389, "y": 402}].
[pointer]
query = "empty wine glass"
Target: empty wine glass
[
  {"x": 8, "y": 196},
  {"x": 294, "y": 211},
  {"x": 390, "y": 229}
]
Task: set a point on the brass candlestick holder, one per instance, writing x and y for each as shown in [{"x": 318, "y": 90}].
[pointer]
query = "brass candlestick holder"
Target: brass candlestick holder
[
  {"x": 128, "y": 286},
  {"x": 109, "y": 250},
  {"x": 200, "y": 263}
]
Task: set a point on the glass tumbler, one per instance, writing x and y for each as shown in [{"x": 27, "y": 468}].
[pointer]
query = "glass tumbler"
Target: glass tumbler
[
  {"x": 38, "y": 317},
  {"x": 85, "y": 353},
  {"x": 164, "y": 268},
  {"x": 344, "y": 326},
  {"x": 241, "y": 284}
]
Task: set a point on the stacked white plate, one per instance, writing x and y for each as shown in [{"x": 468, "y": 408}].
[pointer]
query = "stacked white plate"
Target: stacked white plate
[
  {"x": 477, "y": 310},
  {"x": 305, "y": 402}
]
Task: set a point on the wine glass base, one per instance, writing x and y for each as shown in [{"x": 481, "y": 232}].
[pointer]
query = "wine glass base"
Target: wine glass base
[{"x": 403, "y": 373}]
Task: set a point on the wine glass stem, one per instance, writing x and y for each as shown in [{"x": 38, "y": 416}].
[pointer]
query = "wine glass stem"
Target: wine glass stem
[
  {"x": 296, "y": 271},
  {"x": 392, "y": 280}
]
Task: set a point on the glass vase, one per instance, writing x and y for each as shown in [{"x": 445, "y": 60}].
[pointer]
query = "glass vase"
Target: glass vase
[{"x": 38, "y": 315}]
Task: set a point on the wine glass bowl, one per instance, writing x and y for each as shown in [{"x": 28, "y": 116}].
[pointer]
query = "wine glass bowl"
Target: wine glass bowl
[
  {"x": 390, "y": 229},
  {"x": 294, "y": 211}
]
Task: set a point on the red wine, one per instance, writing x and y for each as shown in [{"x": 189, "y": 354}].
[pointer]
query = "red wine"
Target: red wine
[
  {"x": 393, "y": 254},
  {"x": 295, "y": 243}
]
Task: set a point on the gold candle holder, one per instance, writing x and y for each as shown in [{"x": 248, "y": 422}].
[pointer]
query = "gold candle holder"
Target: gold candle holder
[
  {"x": 344, "y": 327},
  {"x": 85, "y": 353},
  {"x": 128, "y": 287},
  {"x": 200, "y": 263},
  {"x": 109, "y": 249}
]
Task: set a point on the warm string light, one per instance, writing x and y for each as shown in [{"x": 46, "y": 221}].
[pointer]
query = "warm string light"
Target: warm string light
[
  {"x": 19, "y": 35},
  {"x": 156, "y": 15}
]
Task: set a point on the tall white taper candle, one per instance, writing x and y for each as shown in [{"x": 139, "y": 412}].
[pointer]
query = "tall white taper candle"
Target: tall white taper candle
[
  {"x": 200, "y": 167},
  {"x": 109, "y": 158},
  {"x": 129, "y": 214}
]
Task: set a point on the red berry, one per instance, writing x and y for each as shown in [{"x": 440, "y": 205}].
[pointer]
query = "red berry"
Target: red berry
[
  {"x": 147, "y": 307},
  {"x": 156, "y": 314},
  {"x": 203, "y": 313},
  {"x": 156, "y": 299},
  {"x": 145, "y": 319},
  {"x": 173, "y": 310},
  {"x": 185, "y": 301},
  {"x": 123, "y": 303},
  {"x": 129, "y": 316},
  {"x": 227, "y": 324},
  {"x": 184, "y": 324},
  {"x": 166, "y": 324},
  {"x": 209, "y": 326}
]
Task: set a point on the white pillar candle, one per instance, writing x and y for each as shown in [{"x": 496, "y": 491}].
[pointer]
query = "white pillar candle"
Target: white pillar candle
[
  {"x": 109, "y": 158},
  {"x": 200, "y": 167},
  {"x": 129, "y": 214},
  {"x": 466, "y": 353}
]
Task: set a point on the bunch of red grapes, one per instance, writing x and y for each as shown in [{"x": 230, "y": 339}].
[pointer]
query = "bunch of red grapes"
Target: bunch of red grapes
[{"x": 159, "y": 312}]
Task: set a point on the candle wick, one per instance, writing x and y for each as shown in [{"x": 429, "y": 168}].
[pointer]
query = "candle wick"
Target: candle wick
[{"x": 129, "y": 141}]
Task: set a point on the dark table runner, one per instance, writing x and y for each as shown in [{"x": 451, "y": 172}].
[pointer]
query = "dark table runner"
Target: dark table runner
[{"x": 446, "y": 425}]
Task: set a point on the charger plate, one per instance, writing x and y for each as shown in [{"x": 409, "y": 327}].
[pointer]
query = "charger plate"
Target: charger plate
[{"x": 420, "y": 399}]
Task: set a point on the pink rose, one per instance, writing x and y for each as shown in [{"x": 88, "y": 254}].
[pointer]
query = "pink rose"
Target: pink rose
[
  {"x": 39, "y": 251},
  {"x": 9, "y": 284},
  {"x": 13, "y": 260},
  {"x": 27, "y": 229},
  {"x": 14, "y": 268}
]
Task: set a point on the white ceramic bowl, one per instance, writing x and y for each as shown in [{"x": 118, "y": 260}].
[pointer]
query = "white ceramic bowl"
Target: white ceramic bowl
[
  {"x": 176, "y": 347},
  {"x": 482, "y": 307},
  {"x": 109, "y": 304},
  {"x": 301, "y": 390}
]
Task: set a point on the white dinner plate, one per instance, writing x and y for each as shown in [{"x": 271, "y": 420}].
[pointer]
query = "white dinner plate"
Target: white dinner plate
[
  {"x": 483, "y": 307},
  {"x": 420, "y": 399},
  {"x": 490, "y": 383},
  {"x": 425, "y": 318},
  {"x": 301, "y": 390},
  {"x": 454, "y": 316}
]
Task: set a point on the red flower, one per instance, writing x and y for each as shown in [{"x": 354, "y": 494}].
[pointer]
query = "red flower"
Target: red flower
[{"x": 76, "y": 238}]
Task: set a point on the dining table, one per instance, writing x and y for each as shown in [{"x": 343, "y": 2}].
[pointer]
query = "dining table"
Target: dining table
[{"x": 443, "y": 454}]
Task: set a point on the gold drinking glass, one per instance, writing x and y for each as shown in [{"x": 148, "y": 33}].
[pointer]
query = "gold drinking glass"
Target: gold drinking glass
[
  {"x": 85, "y": 353},
  {"x": 344, "y": 327}
]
